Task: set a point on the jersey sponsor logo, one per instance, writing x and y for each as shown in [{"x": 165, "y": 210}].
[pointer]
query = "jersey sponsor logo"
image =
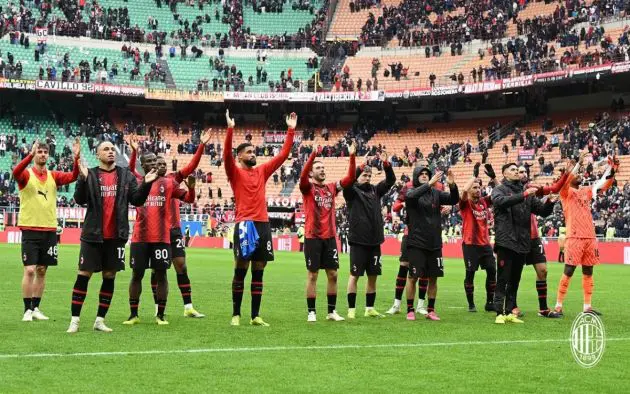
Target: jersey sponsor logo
[
  {"x": 108, "y": 191},
  {"x": 324, "y": 199},
  {"x": 45, "y": 194},
  {"x": 155, "y": 201},
  {"x": 588, "y": 339}
]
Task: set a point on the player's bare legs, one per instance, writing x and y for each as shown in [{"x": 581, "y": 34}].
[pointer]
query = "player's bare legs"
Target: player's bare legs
[
  {"x": 238, "y": 285},
  {"x": 28, "y": 278}
]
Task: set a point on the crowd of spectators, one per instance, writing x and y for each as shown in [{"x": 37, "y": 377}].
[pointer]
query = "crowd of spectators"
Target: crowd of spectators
[
  {"x": 92, "y": 19},
  {"x": 411, "y": 24}
]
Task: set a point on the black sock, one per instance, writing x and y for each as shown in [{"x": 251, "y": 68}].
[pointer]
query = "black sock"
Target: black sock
[
  {"x": 332, "y": 302},
  {"x": 105, "y": 296},
  {"x": 470, "y": 293},
  {"x": 35, "y": 302},
  {"x": 79, "y": 291},
  {"x": 237, "y": 290},
  {"x": 423, "y": 284},
  {"x": 401, "y": 280},
  {"x": 310, "y": 303},
  {"x": 154, "y": 287},
  {"x": 369, "y": 300},
  {"x": 161, "y": 308},
  {"x": 28, "y": 304},
  {"x": 257, "y": 291},
  {"x": 431, "y": 307},
  {"x": 490, "y": 286},
  {"x": 352, "y": 300},
  {"x": 409, "y": 305},
  {"x": 133, "y": 306},
  {"x": 184, "y": 287},
  {"x": 541, "y": 288}
]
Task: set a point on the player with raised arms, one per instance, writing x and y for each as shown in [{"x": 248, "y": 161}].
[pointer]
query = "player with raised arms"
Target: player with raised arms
[
  {"x": 151, "y": 239},
  {"x": 476, "y": 217},
  {"x": 178, "y": 247},
  {"x": 366, "y": 233},
  {"x": 320, "y": 244},
  {"x": 424, "y": 242},
  {"x": 581, "y": 242},
  {"x": 252, "y": 233},
  {"x": 38, "y": 221}
]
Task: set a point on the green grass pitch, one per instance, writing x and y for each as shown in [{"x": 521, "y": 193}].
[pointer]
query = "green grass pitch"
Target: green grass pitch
[{"x": 464, "y": 352}]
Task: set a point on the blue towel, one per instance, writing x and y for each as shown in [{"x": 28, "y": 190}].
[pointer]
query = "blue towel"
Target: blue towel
[{"x": 248, "y": 238}]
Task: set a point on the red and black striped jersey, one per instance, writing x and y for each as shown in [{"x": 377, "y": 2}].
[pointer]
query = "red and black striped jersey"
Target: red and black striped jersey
[{"x": 154, "y": 218}]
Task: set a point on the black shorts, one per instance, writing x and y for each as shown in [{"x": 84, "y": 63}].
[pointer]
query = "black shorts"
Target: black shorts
[
  {"x": 404, "y": 256},
  {"x": 425, "y": 263},
  {"x": 476, "y": 256},
  {"x": 321, "y": 254},
  {"x": 264, "y": 250},
  {"x": 365, "y": 259},
  {"x": 178, "y": 249},
  {"x": 155, "y": 255},
  {"x": 106, "y": 256},
  {"x": 536, "y": 253},
  {"x": 39, "y": 248}
]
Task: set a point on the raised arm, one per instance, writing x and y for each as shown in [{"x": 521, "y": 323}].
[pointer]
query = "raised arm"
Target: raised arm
[
  {"x": 194, "y": 163},
  {"x": 186, "y": 195},
  {"x": 80, "y": 191},
  {"x": 228, "y": 156},
  {"x": 604, "y": 182},
  {"x": 451, "y": 198},
  {"x": 20, "y": 174},
  {"x": 64, "y": 178},
  {"x": 138, "y": 193},
  {"x": 557, "y": 185},
  {"x": 348, "y": 180},
  {"x": 272, "y": 165},
  {"x": 501, "y": 200},
  {"x": 467, "y": 186},
  {"x": 387, "y": 183},
  {"x": 305, "y": 183}
]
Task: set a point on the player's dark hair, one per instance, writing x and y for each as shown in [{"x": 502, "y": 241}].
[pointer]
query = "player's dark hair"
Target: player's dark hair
[
  {"x": 143, "y": 158},
  {"x": 101, "y": 143},
  {"x": 43, "y": 145},
  {"x": 242, "y": 146},
  {"x": 508, "y": 165}
]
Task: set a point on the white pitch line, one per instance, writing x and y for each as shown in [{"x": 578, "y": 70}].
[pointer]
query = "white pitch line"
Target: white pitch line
[{"x": 288, "y": 348}]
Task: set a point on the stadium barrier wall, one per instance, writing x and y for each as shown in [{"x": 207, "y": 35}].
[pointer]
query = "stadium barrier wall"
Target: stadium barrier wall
[
  {"x": 609, "y": 252},
  {"x": 407, "y": 92}
]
